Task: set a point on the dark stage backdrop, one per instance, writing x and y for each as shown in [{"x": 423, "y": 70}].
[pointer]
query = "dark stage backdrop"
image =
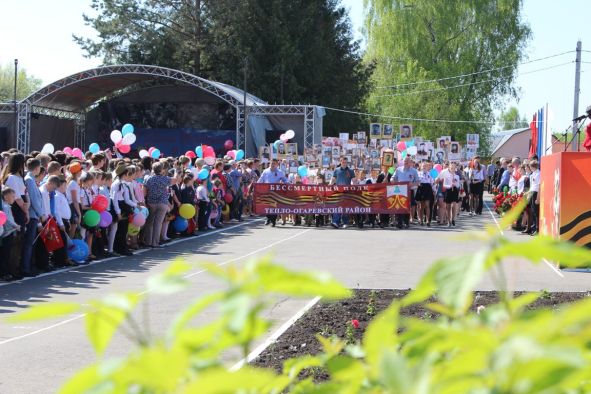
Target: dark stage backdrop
[{"x": 175, "y": 142}]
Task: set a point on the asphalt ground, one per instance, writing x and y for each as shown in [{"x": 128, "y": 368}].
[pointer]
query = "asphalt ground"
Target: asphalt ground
[{"x": 38, "y": 357}]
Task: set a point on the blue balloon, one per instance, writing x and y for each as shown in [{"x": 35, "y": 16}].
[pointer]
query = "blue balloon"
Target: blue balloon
[
  {"x": 78, "y": 250},
  {"x": 94, "y": 148},
  {"x": 199, "y": 151},
  {"x": 239, "y": 154},
  {"x": 127, "y": 129},
  {"x": 155, "y": 153},
  {"x": 144, "y": 211},
  {"x": 180, "y": 224},
  {"x": 404, "y": 153},
  {"x": 303, "y": 171},
  {"x": 203, "y": 174},
  {"x": 410, "y": 143},
  {"x": 433, "y": 173},
  {"x": 276, "y": 144}
]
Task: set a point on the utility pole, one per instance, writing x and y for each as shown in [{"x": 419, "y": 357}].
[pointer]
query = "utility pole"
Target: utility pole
[
  {"x": 15, "y": 105},
  {"x": 577, "y": 93}
]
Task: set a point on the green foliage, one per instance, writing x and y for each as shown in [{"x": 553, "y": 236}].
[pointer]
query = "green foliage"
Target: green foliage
[
  {"x": 503, "y": 348},
  {"x": 411, "y": 43},
  {"x": 25, "y": 83},
  {"x": 371, "y": 304},
  {"x": 511, "y": 119},
  {"x": 294, "y": 52}
]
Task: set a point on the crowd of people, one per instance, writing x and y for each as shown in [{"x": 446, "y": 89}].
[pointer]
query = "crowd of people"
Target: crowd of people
[{"x": 38, "y": 187}]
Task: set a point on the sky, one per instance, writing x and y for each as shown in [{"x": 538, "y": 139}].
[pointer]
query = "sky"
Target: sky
[{"x": 39, "y": 34}]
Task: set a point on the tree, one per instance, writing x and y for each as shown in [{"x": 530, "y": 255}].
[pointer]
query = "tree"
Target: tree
[
  {"x": 511, "y": 119},
  {"x": 25, "y": 84},
  {"x": 294, "y": 51},
  {"x": 419, "y": 48}
]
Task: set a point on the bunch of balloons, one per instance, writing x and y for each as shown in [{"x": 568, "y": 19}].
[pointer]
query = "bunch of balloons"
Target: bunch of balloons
[
  {"x": 207, "y": 153},
  {"x": 289, "y": 134},
  {"x": 76, "y": 152},
  {"x": 236, "y": 154},
  {"x": 123, "y": 139},
  {"x": 407, "y": 148}
]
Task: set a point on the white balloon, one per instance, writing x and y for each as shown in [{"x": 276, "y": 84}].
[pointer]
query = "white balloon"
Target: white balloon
[
  {"x": 128, "y": 139},
  {"x": 144, "y": 153},
  {"x": 283, "y": 137},
  {"x": 48, "y": 148},
  {"x": 116, "y": 136},
  {"x": 290, "y": 134},
  {"x": 412, "y": 150}
]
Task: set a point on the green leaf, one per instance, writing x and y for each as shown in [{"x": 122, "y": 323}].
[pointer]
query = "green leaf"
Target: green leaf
[
  {"x": 166, "y": 284},
  {"x": 96, "y": 378},
  {"x": 346, "y": 369},
  {"x": 181, "y": 321},
  {"x": 294, "y": 366},
  {"x": 381, "y": 335},
  {"x": 220, "y": 381},
  {"x": 513, "y": 214},
  {"x": 518, "y": 304},
  {"x": 330, "y": 346},
  {"x": 45, "y": 311}
]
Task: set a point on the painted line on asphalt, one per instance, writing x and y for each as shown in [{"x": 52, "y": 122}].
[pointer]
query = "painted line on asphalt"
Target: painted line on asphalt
[
  {"x": 552, "y": 267},
  {"x": 186, "y": 276},
  {"x": 273, "y": 338},
  {"x": 80, "y": 267}
]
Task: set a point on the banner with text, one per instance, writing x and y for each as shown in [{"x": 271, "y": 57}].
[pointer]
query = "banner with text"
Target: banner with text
[{"x": 282, "y": 198}]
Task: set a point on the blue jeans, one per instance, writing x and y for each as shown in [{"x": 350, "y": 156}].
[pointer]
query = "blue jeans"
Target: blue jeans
[
  {"x": 30, "y": 234},
  {"x": 337, "y": 217}
]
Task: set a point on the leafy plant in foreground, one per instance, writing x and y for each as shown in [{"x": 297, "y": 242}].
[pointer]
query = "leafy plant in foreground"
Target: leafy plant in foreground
[{"x": 502, "y": 349}]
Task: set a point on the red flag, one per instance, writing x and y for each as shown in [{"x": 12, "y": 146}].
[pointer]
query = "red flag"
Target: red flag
[
  {"x": 51, "y": 237},
  {"x": 533, "y": 146}
]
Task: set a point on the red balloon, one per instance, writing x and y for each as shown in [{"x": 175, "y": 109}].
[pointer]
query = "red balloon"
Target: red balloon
[
  {"x": 229, "y": 144},
  {"x": 228, "y": 197},
  {"x": 100, "y": 203},
  {"x": 124, "y": 148},
  {"x": 208, "y": 152},
  {"x": 190, "y": 154}
]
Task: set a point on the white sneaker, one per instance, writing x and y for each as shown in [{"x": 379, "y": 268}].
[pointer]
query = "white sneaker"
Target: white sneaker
[{"x": 344, "y": 226}]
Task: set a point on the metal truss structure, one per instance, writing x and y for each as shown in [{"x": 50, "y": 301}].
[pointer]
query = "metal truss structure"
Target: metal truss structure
[{"x": 44, "y": 101}]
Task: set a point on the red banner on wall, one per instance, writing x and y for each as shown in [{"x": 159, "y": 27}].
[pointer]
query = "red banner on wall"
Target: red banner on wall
[{"x": 282, "y": 198}]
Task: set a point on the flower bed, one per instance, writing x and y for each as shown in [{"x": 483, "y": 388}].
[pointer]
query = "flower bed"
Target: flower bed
[{"x": 504, "y": 201}]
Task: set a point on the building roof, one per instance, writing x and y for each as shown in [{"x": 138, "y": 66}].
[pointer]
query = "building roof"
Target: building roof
[{"x": 501, "y": 138}]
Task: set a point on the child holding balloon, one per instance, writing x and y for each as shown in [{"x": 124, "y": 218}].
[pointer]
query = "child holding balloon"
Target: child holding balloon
[{"x": 86, "y": 198}]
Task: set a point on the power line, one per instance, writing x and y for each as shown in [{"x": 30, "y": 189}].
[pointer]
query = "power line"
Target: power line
[
  {"x": 419, "y": 119},
  {"x": 472, "y": 83},
  {"x": 474, "y": 73}
]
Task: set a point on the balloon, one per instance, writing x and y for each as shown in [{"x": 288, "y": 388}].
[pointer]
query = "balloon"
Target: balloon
[
  {"x": 76, "y": 152},
  {"x": 127, "y": 129},
  {"x": 290, "y": 134},
  {"x": 94, "y": 148},
  {"x": 276, "y": 144},
  {"x": 138, "y": 220},
  {"x": 391, "y": 170},
  {"x": 209, "y": 161},
  {"x": 199, "y": 151},
  {"x": 180, "y": 224},
  {"x": 203, "y": 174},
  {"x": 283, "y": 138},
  {"x": 187, "y": 211},
  {"x": 434, "y": 173},
  {"x": 106, "y": 219},
  {"x": 78, "y": 250},
  {"x": 239, "y": 154},
  {"x": 116, "y": 136},
  {"x": 144, "y": 153},
  {"x": 226, "y": 210},
  {"x": 145, "y": 212},
  {"x": 303, "y": 171},
  {"x": 2, "y": 218},
  {"x": 100, "y": 203},
  {"x": 401, "y": 146},
  {"x": 208, "y": 151},
  {"x": 67, "y": 150},
  {"x": 404, "y": 153},
  {"x": 190, "y": 154},
  {"x": 229, "y": 144},
  {"x": 132, "y": 230},
  {"x": 48, "y": 148},
  {"x": 156, "y": 153},
  {"x": 92, "y": 218},
  {"x": 228, "y": 197},
  {"x": 412, "y": 150},
  {"x": 129, "y": 139},
  {"x": 438, "y": 167},
  {"x": 151, "y": 150},
  {"x": 232, "y": 154},
  {"x": 124, "y": 148}
]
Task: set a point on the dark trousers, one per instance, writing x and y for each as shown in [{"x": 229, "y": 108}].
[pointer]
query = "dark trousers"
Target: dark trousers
[
  {"x": 60, "y": 256},
  {"x": 236, "y": 206},
  {"x": 41, "y": 255},
  {"x": 535, "y": 210},
  {"x": 272, "y": 218},
  {"x": 202, "y": 216},
  {"x": 480, "y": 202},
  {"x": 7, "y": 265},
  {"x": 28, "y": 240},
  {"x": 371, "y": 219},
  {"x": 403, "y": 219},
  {"x": 120, "y": 244},
  {"x": 384, "y": 220}
]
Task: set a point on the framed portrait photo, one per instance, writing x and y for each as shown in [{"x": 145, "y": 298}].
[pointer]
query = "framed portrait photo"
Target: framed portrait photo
[
  {"x": 405, "y": 132},
  {"x": 375, "y": 130},
  {"x": 388, "y": 131},
  {"x": 387, "y": 159}
]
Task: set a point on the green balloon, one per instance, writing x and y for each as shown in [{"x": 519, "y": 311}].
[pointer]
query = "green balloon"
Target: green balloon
[
  {"x": 391, "y": 170},
  {"x": 92, "y": 218}
]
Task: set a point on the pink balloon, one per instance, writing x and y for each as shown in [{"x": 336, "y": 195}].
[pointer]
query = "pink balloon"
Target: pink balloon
[
  {"x": 76, "y": 152},
  {"x": 232, "y": 154},
  {"x": 2, "y": 218},
  {"x": 401, "y": 146},
  {"x": 438, "y": 167},
  {"x": 283, "y": 137},
  {"x": 138, "y": 220},
  {"x": 124, "y": 148},
  {"x": 208, "y": 152},
  {"x": 150, "y": 150},
  {"x": 190, "y": 154},
  {"x": 229, "y": 144},
  {"x": 68, "y": 150}
]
